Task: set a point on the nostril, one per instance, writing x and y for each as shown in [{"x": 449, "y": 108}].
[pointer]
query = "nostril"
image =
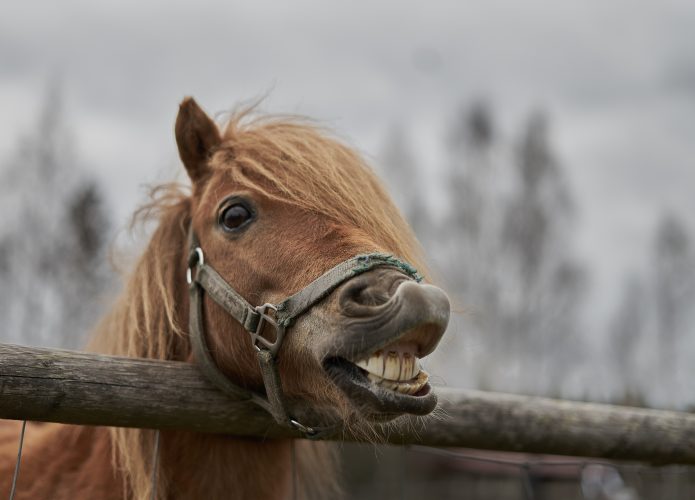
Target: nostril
[
  {"x": 353, "y": 292},
  {"x": 363, "y": 292}
]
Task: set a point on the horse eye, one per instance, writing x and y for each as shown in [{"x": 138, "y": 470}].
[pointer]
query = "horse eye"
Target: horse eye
[{"x": 234, "y": 216}]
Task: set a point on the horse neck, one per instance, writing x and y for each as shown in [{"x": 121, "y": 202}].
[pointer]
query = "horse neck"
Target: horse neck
[
  {"x": 204, "y": 466},
  {"x": 60, "y": 462},
  {"x": 196, "y": 465}
]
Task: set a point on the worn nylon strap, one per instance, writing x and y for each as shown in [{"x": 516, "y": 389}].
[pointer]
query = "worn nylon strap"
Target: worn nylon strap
[
  {"x": 203, "y": 356},
  {"x": 274, "y": 403},
  {"x": 321, "y": 287},
  {"x": 273, "y": 386},
  {"x": 220, "y": 291}
]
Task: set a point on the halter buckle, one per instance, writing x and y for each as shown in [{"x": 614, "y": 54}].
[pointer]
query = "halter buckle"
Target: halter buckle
[
  {"x": 195, "y": 259},
  {"x": 265, "y": 318}
]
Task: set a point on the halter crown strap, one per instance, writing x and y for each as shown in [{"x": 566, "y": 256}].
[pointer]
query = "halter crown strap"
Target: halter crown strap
[{"x": 203, "y": 278}]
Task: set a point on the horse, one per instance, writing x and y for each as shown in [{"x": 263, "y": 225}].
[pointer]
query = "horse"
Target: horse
[{"x": 276, "y": 207}]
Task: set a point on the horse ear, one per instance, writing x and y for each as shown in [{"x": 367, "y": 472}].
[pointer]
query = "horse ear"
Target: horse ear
[{"x": 196, "y": 136}]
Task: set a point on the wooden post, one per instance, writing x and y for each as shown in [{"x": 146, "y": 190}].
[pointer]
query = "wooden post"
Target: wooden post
[{"x": 90, "y": 389}]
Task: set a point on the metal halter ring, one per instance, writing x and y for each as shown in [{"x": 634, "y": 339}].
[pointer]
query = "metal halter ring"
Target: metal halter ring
[
  {"x": 197, "y": 259},
  {"x": 308, "y": 431}
]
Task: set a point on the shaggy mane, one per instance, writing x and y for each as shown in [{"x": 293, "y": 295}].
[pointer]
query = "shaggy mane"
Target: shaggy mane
[{"x": 285, "y": 158}]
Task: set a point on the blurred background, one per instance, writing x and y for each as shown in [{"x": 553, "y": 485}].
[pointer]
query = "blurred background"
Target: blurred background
[{"x": 543, "y": 151}]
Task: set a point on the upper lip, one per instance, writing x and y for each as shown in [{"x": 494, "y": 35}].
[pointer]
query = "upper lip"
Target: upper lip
[{"x": 415, "y": 313}]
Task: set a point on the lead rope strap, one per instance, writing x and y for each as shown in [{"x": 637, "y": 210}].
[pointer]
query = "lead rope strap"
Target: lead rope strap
[
  {"x": 19, "y": 459},
  {"x": 273, "y": 387},
  {"x": 203, "y": 356},
  {"x": 155, "y": 466},
  {"x": 201, "y": 350}
]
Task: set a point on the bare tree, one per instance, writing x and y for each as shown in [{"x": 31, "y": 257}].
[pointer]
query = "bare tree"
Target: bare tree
[
  {"x": 674, "y": 295},
  {"x": 476, "y": 179},
  {"x": 542, "y": 313},
  {"x": 403, "y": 176},
  {"x": 627, "y": 331},
  {"x": 510, "y": 255},
  {"x": 53, "y": 237}
]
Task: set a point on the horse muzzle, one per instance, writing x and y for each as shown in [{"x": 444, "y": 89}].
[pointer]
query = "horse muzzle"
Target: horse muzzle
[{"x": 387, "y": 323}]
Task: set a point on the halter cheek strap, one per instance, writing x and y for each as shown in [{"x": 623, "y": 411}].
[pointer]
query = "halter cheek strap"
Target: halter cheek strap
[{"x": 202, "y": 278}]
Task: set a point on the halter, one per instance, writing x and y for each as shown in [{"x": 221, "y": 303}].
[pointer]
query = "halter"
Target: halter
[{"x": 202, "y": 278}]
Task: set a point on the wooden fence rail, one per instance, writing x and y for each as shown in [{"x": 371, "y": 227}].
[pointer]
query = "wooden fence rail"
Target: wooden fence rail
[{"x": 83, "y": 388}]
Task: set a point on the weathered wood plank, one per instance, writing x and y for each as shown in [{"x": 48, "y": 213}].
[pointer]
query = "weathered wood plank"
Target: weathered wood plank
[{"x": 84, "y": 388}]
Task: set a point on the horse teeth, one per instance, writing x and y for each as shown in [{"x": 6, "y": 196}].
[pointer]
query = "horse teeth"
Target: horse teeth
[
  {"x": 404, "y": 387},
  {"x": 388, "y": 384},
  {"x": 410, "y": 366},
  {"x": 397, "y": 369},
  {"x": 375, "y": 363},
  {"x": 392, "y": 365}
]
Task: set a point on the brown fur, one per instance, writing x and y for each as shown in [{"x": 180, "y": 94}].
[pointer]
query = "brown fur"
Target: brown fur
[{"x": 319, "y": 204}]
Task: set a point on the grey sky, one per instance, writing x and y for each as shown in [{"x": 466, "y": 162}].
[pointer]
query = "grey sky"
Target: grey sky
[{"x": 618, "y": 79}]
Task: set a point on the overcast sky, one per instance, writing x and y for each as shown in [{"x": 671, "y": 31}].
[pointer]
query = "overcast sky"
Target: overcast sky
[{"x": 617, "y": 79}]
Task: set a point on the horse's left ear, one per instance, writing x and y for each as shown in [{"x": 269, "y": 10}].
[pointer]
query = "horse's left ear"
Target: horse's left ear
[{"x": 196, "y": 136}]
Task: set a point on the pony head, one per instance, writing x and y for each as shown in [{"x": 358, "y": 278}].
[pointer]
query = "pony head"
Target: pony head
[{"x": 274, "y": 205}]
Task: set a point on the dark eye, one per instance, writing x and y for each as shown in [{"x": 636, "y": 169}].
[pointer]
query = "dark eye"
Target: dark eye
[{"x": 235, "y": 216}]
